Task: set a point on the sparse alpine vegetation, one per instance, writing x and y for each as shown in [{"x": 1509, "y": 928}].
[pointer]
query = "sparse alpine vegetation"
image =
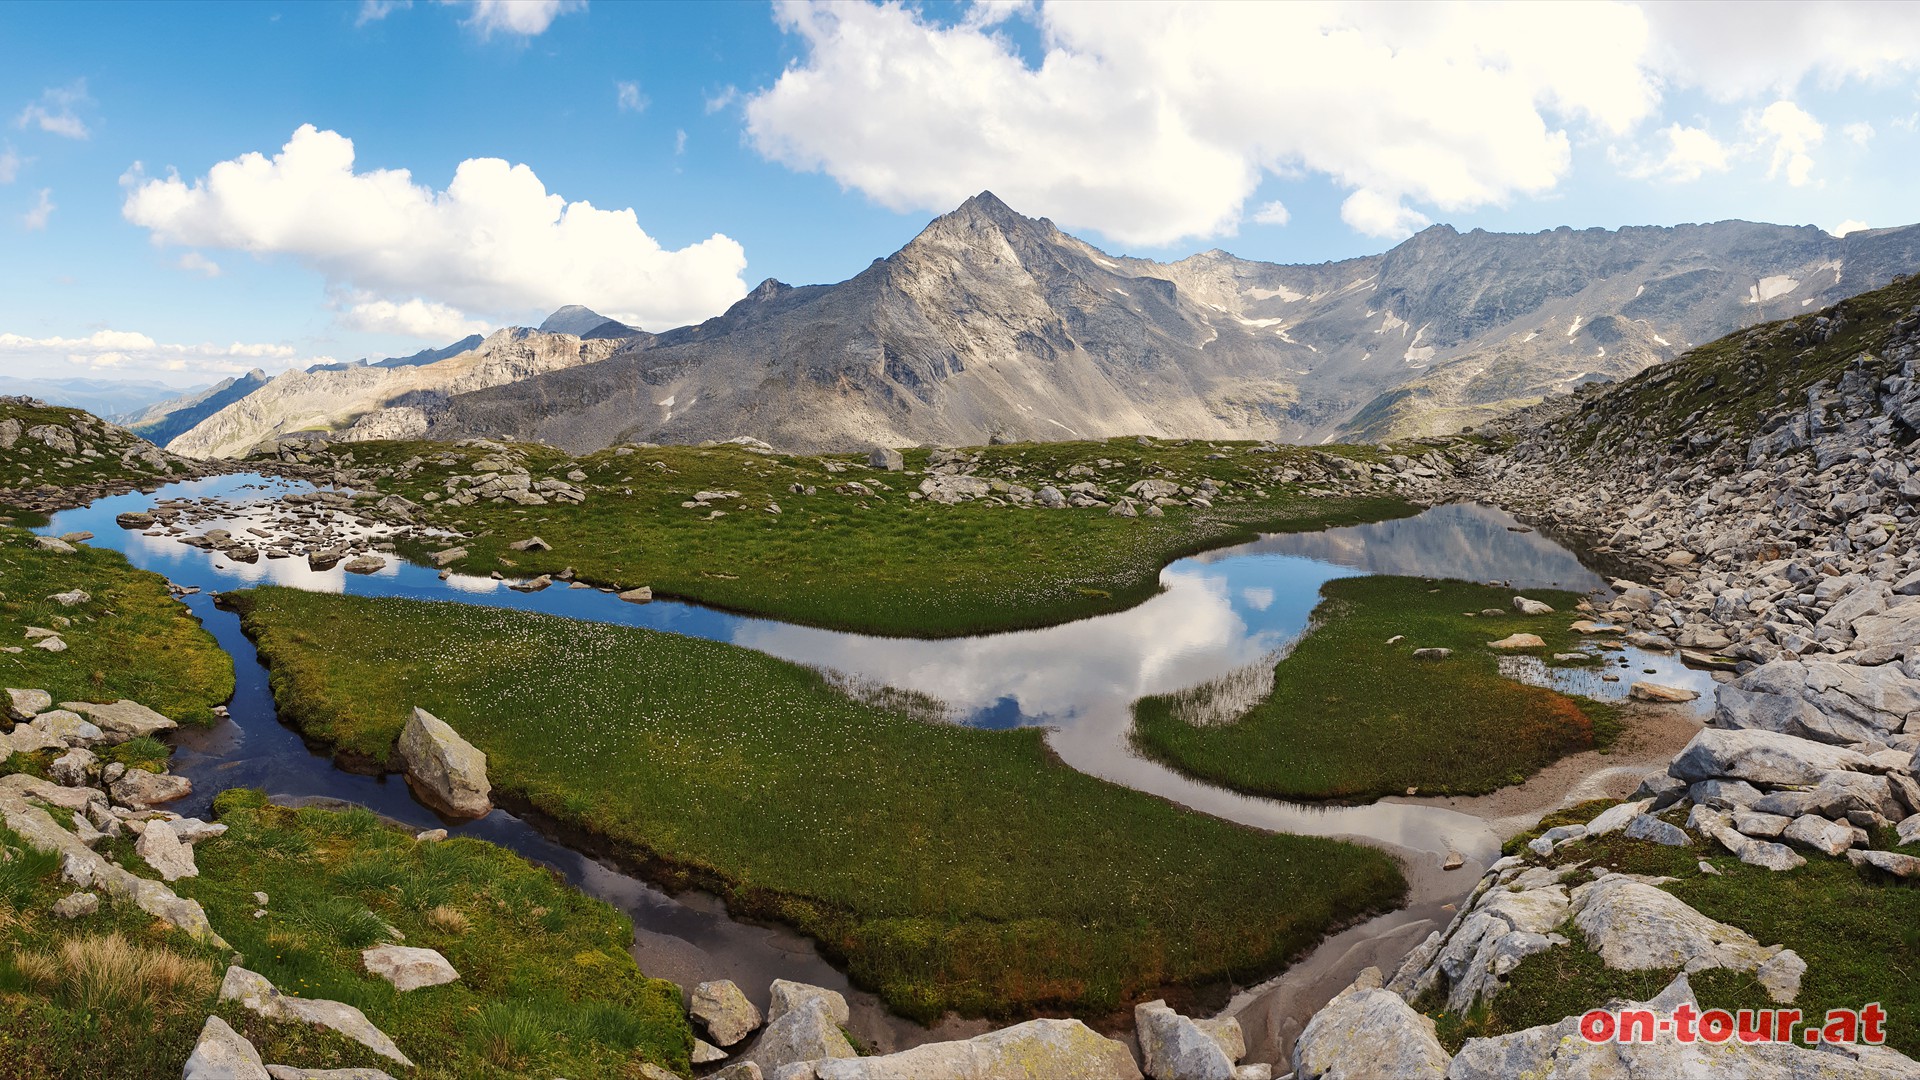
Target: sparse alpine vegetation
[
  {"x": 949, "y": 868},
  {"x": 828, "y": 541}
]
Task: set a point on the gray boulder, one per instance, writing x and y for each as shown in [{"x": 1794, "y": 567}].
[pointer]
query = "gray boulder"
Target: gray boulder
[
  {"x": 1634, "y": 926},
  {"x": 408, "y": 968},
  {"x": 446, "y": 771},
  {"x": 806, "y": 1031},
  {"x": 143, "y": 790},
  {"x": 1175, "y": 1048},
  {"x": 288, "y": 1072},
  {"x": 222, "y": 1053},
  {"x": 881, "y": 457},
  {"x": 1760, "y": 757},
  {"x": 1648, "y": 827},
  {"x": 257, "y": 993},
  {"x": 165, "y": 853},
  {"x": 24, "y": 705},
  {"x": 724, "y": 1011}
]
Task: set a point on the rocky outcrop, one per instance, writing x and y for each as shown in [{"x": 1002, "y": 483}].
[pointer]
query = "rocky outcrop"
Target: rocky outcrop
[
  {"x": 1175, "y": 1048},
  {"x": 1367, "y": 1032},
  {"x": 446, "y": 771},
  {"x": 257, "y": 993},
  {"x": 222, "y": 1053}
]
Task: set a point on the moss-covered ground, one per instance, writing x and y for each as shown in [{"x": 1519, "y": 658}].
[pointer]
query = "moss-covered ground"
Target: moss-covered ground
[
  {"x": 948, "y": 868},
  {"x": 857, "y": 552},
  {"x": 547, "y": 986},
  {"x": 1354, "y": 716}
]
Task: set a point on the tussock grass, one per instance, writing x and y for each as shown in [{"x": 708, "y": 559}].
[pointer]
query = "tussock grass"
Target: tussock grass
[
  {"x": 1350, "y": 717},
  {"x": 948, "y": 868},
  {"x": 108, "y": 972},
  {"x": 130, "y": 641}
]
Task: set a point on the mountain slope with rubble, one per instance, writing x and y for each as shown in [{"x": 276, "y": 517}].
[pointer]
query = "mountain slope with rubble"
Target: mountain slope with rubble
[
  {"x": 1758, "y": 497},
  {"x": 993, "y": 325}
]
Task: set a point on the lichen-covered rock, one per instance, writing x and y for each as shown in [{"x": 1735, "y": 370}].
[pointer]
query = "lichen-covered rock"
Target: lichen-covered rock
[
  {"x": 24, "y": 705},
  {"x": 1175, "y": 1048},
  {"x": 446, "y": 771},
  {"x": 1366, "y": 1032},
  {"x": 807, "y": 1031},
  {"x": 165, "y": 853},
  {"x": 1760, "y": 757},
  {"x": 142, "y": 790},
  {"x": 1635, "y": 926}
]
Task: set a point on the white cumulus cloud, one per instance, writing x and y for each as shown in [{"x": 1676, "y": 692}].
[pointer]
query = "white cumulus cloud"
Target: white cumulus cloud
[
  {"x": 629, "y": 97},
  {"x": 1851, "y": 225},
  {"x": 494, "y": 243},
  {"x": 1737, "y": 52},
  {"x": 196, "y": 263},
  {"x": 130, "y": 352},
  {"x": 1273, "y": 213},
  {"x": 9, "y": 165},
  {"x": 43, "y": 209},
  {"x": 1788, "y": 133},
  {"x": 1154, "y": 123},
  {"x": 375, "y": 10},
  {"x": 525, "y": 18},
  {"x": 1691, "y": 153},
  {"x": 414, "y": 318},
  {"x": 1860, "y": 132}
]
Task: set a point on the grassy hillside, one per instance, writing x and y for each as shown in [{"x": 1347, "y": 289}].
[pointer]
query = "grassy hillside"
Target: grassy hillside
[
  {"x": 1725, "y": 390},
  {"x": 949, "y": 868},
  {"x": 82, "y": 449}
]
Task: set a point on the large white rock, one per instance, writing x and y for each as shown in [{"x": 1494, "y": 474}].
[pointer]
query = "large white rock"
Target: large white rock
[
  {"x": 446, "y": 771},
  {"x": 723, "y": 1009},
  {"x": 1366, "y": 1033},
  {"x": 223, "y": 1054},
  {"x": 1760, "y": 757},
  {"x": 408, "y": 968},
  {"x": 288, "y": 1072},
  {"x": 1035, "y": 1050},
  {"x": 1175, "y": 1048}
]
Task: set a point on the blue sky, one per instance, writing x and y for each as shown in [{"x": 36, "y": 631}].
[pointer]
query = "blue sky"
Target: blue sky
[{"x": 801, "y": 142}]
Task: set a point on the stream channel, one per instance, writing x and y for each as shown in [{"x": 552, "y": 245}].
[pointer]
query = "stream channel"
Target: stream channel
[{"x": 1218, "y": 613}]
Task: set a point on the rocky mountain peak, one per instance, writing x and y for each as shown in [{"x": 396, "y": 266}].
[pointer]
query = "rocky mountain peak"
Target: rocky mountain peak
[{"x": 573, "y": 319}]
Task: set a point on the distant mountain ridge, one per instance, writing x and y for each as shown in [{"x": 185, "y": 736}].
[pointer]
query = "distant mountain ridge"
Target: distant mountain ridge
[
  {"x": 102, "y": 397},
  {"x": 991, "y": 325}
]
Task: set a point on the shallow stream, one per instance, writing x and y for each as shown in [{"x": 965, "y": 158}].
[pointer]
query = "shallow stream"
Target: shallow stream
[{"x": 1223, "y": 612}]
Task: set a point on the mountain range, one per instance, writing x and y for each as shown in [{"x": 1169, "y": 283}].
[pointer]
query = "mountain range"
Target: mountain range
[{"x": 992, "y": 325}]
